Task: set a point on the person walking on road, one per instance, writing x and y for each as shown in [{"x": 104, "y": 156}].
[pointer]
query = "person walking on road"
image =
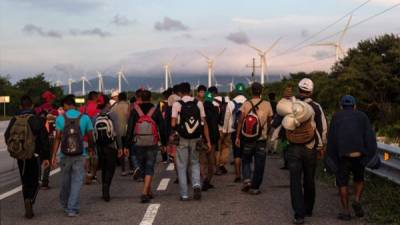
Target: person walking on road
[
  {"x": 71, "y": 127},
  {"x": 351, "y": 144},
  {"x": 108, "y": 143},
  {"x": 256, "y": 115},
  {"x": 145, "y": 129},
  {"x": 188, "y": 119},
  {"x": 30, "y": 130}
]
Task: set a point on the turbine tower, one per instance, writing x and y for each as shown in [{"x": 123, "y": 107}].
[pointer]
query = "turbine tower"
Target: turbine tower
[
  {"x": 84, "y": 80},
  {"x": 168, "y": 77},
  {"x": 231, "y": 85},
  {"x": 263, "y": 58},
  {"x": 101, "y": 81},
  {"x": 210, "y": 63},
  {"x": 121, "y": 76},
  {"x": 70, "y": 85},
  {"x": 339, "y": 51}
]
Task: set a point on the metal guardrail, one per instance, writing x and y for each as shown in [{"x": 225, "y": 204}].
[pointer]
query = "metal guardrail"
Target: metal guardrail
[{"x": 390, "y": 167}]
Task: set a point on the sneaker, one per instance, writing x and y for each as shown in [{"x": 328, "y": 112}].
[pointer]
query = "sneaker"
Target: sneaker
[
  {"x": 298, "y": 221},
  {"x": 197, "y": 193},
  {"x": 28, "y": 209},
  {"x": 204, "y": 186},
  {"x": 246, "y": 187},
  {"x": 344, "y": 216},
  {"x": 144, "y": 199},
  {"x": 358, "y": 209},
  {"x": 255, "y": 191},
  {"x": 136, "y": 174},
  {"x": 72, "y": 214},
  {"x": 223, "y": 170},
  {"x": 94, "y": 179},
  {"x": 184, "y": 199},
  {"x": 218, "y": 172},
  {"x": 130, "y": 172},
  {"x": 176, "y": 181},
  {"x": 151, "y": 196},
  {"x": 124, "y": 174},
  {"x": 237, "y": 180},
  {"x": 106, "y": 193}
]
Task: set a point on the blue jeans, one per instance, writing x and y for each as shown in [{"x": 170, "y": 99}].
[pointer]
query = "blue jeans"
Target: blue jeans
[
  {"x": 256, "y": 150},
  {"x": 72, "y": 174},
  {"x": 186, "y": 153},
  {"x": 133, "y": 154}
]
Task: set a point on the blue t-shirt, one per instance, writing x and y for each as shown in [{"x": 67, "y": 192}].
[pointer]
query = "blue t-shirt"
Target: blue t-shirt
[{"x": 85, "y": 123}]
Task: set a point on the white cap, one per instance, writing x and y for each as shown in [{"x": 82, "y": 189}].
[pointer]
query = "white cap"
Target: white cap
[
  {"x": 306, "y": 85},
  {"x": 114, "y": 94}
]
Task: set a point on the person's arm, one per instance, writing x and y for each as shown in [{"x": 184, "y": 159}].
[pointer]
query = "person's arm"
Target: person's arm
[
  {"x": 238, "y": 130},
  {"x": 7, "y": 133},
  {"x": 158, "y": 118},
  {"x": 42, "y": 137},
  {"x": 129, "y": 133},
  {"x": 57, "y": 140},
  {"x": 174, "y": 115}
]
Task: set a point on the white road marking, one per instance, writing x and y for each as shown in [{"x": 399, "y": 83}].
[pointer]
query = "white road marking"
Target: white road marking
[
  {"x": 19, "y": 188},
  {"x": 150, "y": 214},
  {"x": 170, "y": 167},
  {"x": 163, "y": 184}
]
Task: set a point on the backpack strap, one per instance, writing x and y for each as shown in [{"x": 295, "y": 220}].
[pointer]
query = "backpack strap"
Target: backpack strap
[
  {"x": 138, "y": 110},
  {"x": 151, "y": 111}
]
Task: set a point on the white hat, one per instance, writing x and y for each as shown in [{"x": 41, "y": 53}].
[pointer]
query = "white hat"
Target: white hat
[
  {"x": 306, "y": 85},
  {"x": 114, "y": 94}
]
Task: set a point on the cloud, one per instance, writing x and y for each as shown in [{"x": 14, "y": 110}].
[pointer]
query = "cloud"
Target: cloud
[
  {"x": 188, "y": 36},
  {"x": 67, "y": 69},
  {"x": 33, "y": 29},
  {"x": 66, "y": 6},
  {"x": 238, "y": 37},
  {"x": 323, "y": 55},
  {"x": 90, "y": 32},
  {"x": 170, "y": 25},
  {"x": 122, "y": 21}
]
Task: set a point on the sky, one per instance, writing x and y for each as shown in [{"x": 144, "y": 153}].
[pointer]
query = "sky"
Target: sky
[{"x": 69, "y": 38}]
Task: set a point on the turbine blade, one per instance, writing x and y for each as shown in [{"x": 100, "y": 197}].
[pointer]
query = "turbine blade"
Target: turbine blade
[
  {"x": 124, "y": 78},
  {"x": 345, "y": 29},
  {"x": 200, "y": 53},
  {"x": 324, "y": 44},
  {"x": 257, "y": 49},
  {"x": 219, "y": 54},
  {"x": 273, "y": 45}
]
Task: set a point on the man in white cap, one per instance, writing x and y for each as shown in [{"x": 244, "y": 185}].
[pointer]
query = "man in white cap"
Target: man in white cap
[
  {"x": 114, "y": 97},
  {"x": 302, "y": 155}
]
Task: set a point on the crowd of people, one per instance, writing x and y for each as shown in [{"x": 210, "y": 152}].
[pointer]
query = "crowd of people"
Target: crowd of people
[{"x": 201, "y": 134}]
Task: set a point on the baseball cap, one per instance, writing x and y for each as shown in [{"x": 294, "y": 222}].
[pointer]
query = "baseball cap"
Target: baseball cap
[
  {"x": 208, "y": 97},
  {"x": 240, "y": 88},
  {"x": 306, "y": 84},
  {"x": 347, "y": 100}
]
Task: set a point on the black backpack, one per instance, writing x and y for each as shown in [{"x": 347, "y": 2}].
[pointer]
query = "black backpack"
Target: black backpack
[
  {"x": 189, "y": 124},
  {"x": 222, "y": 105},
  {"x": 236, "y": 114},
  {"x": 104, "y": 132},
  {"x": 72, "y": 138}
]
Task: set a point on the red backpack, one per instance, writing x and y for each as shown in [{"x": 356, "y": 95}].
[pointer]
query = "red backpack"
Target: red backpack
[
  {"x": 145, "y": 133},
  {"x": 251, "y": 126}
]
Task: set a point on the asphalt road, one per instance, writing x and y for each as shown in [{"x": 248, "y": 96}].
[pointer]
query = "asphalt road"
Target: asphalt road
[{"x": 223, "y": 205}]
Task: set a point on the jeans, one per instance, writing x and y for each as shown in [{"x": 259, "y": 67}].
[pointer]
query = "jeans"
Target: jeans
[
  {"x": 72, "y": 174},
  {"x": 302, "y": 162},
  {"x": 147, "y": 157},
  {"x": 29, "y": 171},
  {"x": 108, "y": 161},
  {"x": 133, "y": 155},
  {"x": 256, "y": 150},
  {"x": 186, "y": 154}
]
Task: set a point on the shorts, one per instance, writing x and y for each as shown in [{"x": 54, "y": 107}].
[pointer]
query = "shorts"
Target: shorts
[
  {"x": 147, "y": 157},
  {"x": 346, "y": 166},
  {"x": 237, "y": 151}
]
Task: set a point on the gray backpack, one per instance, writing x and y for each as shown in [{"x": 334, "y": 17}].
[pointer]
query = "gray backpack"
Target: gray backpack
[
  {"x": 145, "y": 133},
  {"x": 72, "y": 138},
  {"x": 22, "y": 142}
]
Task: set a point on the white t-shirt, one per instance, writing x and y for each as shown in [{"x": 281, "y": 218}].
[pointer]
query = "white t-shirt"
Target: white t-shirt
[
  {"x": 176, "y": 107},
  {"x": 228, "y": 118}
]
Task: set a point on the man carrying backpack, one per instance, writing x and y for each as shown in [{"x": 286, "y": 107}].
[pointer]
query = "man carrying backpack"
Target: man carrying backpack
[
  {"x": 145, "y": 129},
  {"x": 351, "y": 146},
  {"x": 224, "y": 143},
  {"x": 256, "y": 115},
  {"x": 306, "y": 141},
  {"x": 233, "y": 117},
  {"x": 188, "y": 119},
  {"x": 109, "y": 144},
  {"x": 27, "y": 141},
  {"x": 71, "y": 127},
  {"x": 121, "y": 109}
]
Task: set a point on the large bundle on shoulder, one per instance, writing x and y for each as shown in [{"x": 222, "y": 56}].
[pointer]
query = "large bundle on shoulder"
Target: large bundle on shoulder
[{"x": 298, "y": 120}]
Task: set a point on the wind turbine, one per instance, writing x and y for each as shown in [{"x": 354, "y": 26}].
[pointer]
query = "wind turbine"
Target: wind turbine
[
  {"x": 121, "y": 76},
  {"x": 210, "y": 63},
  {"x": 339, "y": 51},
  {"x": 168, "y": 77},
  {"x": 58, "y": 83},
  {"x": 70, "y": 85},
  {"x": 231, "y": 85},
  {"x": 84, "y": 80},
  {"x": 101, "y": 81},
  {"x": 263, "y": 58}
]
